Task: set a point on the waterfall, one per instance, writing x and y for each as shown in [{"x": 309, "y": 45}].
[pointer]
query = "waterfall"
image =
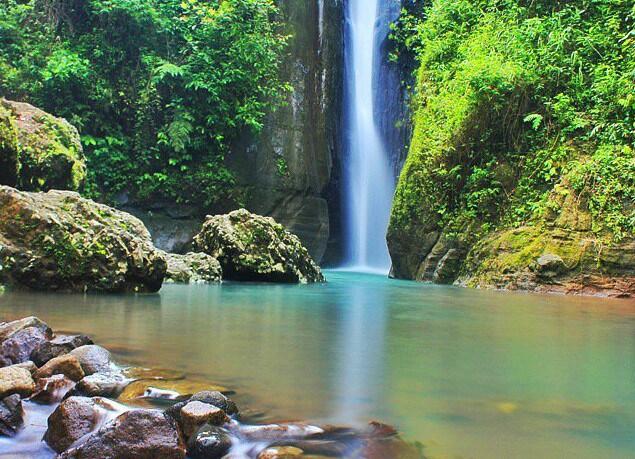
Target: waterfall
[{"x": 369, "y": 178}]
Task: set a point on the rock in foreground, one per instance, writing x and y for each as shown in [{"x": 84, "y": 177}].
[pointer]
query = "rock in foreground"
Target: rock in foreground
[
  {"x": 254, "y": 248},
  {"x": 60, "y": 241}
]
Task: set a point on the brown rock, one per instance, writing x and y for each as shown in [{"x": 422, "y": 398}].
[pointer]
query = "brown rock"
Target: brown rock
[
  {"x": 67, "y": 365},
  {"x": 93, "y": 358},
  {"x": 52, "y": 390},
  {"x": 74, "y": 418},
  {"x": 16, "y": 380},
  {"x": 195, "y": 414},
  {"x": 281, "y": 452},
  {"x": 59, "y": 345},
  {"x": 138, "y": 434}
]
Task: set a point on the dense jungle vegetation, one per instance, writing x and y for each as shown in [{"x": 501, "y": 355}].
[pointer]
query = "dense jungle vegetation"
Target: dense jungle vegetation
[
  {"x": 518, "y": 102},
  {"x": 158, "y": 88}
]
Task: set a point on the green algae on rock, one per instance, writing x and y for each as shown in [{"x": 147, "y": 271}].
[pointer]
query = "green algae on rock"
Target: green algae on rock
[
  {"x": 9, "y": 151},
  {"x": 250, "y": 247},
  {"x": 49, "y": 151},
  {"x": 193, "y": 268},
  {"x": 60, "y": 241}
]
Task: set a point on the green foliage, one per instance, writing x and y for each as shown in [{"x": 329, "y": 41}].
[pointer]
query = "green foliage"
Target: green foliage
[
  {"x": 159, "y": 89},
  {"x": 512, "y": 99}
]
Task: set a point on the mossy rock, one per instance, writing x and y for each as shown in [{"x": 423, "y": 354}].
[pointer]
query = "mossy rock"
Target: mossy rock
[
  {"x": 250, "y": 247},
  {"x": 9, "y": 165},
  {"x": 50, "y": 154},
  {"x": 61, "y": 242}
]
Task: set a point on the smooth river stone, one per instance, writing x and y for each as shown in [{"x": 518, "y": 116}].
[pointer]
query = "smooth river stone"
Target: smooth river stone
[
  {"x": 67, "y": 365},
  {"x": 16, "y": 380},
  {"x": 195, "y": 414}
]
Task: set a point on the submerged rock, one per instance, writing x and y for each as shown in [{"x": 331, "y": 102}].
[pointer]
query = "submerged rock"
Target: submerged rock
[
  {"x": 139, "y": 434},
  {"x": 49, "y": 153},
  {"x": 60, "y": 241},
  {"x": 254, "y": 248},
  {"x": 11, "y": 415},
  {"x": 193, "y": 268},
  {"x": 16, "y": 380}
]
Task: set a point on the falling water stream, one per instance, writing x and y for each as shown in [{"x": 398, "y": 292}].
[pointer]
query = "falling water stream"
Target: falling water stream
[{"x": 370, "y": 182}]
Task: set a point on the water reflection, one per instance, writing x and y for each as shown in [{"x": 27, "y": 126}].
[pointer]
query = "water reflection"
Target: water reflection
[{"x": 468, "y": 373}]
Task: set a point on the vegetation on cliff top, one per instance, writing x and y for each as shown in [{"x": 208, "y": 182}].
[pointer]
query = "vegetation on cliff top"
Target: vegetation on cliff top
[
  {"x": 517, "y": 101},
  {"x": 158, "y": 89}
]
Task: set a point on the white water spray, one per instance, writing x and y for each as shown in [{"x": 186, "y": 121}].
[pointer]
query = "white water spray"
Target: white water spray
[{"x": 369, "y": 180}]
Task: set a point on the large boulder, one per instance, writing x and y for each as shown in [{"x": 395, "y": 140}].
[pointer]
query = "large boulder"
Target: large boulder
[
  {"x": 9, "y": 150},
  {"x": 193, "y": 268},
  {"x": 60, "y": 241},
  {"x": 138, "y": 434},
  {"x": 9, "y": 328},
  {"x": 93, "y": 358},
  {"x": 19, "y": 346},
  {"x": 49, "y": 153},
  {"x": 254, "y": 248}
]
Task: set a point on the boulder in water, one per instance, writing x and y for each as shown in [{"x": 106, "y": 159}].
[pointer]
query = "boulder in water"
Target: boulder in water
[
  {"x": 11, "y": 415},
  {"x": 193, "y": 268},
  {"x": 250, "y": 247},
  {"x": 60, "y": 241},
  {"x": 9, "y": 328},
  {"x": 71, "y": 420},
  {"x": 139, "y": 434},
  {"x": 209, "y": 442},
  {"x": 109, "y": 384},
  {"x": 52, "y": 389},
  {"x": 195, "y": 414}
]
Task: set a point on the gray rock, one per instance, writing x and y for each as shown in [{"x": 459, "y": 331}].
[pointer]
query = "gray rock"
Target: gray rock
[
  {"x": 195, "y": 414},
  {"x": 109, "y": 384},
  {"x": 193, "y": 268},
  {"x": 9, "y": 328},
  {"x": 550, "y": 265},
  {"x": 254, "y": 248},
  {"x": 138, "y": 434},
  {"x": 11, "y": 415},
  {"x": 93, "y": 358},
  {"x": 59, "y": 345},
  {"x": 19, "y": 346},
  {"x": 209, "y": 442},
  {"x": 213, "y": 398}
]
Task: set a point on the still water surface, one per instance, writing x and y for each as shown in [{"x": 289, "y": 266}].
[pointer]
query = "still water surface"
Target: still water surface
[{"x": 469, "y": 374}]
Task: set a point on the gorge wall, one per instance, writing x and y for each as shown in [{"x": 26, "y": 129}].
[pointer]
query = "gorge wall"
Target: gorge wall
[
  {"x": 521, "y": 170},
  {"x": 288, "y": 170}
]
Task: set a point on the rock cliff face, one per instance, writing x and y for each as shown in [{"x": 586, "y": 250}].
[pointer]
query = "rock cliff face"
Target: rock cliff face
[{"x": 286, "y": 170}]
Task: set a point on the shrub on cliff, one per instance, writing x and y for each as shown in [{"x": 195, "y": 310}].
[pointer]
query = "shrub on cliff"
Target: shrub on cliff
[{"x": 515, "y": 99}]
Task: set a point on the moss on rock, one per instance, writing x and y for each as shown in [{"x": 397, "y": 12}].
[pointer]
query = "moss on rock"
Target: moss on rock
[
  {"x": 50, "y": 154},
  {"x": 60, "y": 241},
  {"x": 250, "y": 247},
  {"x": 9, "y": 164}
]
